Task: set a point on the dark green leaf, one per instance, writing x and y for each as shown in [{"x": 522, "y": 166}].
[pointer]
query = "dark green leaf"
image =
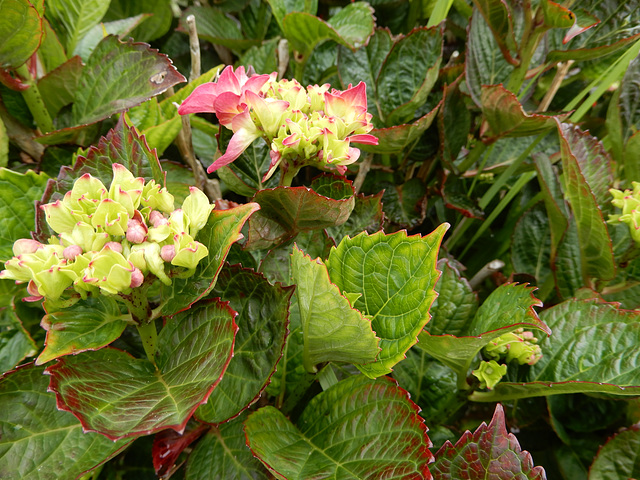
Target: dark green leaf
[
  {"x": 119, "y": 76},
  {"x": 58, "y": 87},
  {"x": 333, "y": 331},
  {"x": 152, "y": 28},
  {"x": 281, "y": 8},
  {"x": 499, "y": 19},
  {"x": 21, "y": 32},
  {"x": 456, "y": 304},
  {"x": 395, "y": 275},
  {"x": 262, "y": 330},
  {"x": 18, "y": 193},
  {"x": 218, "y": 28},
  {"x": 223, "y": 454},
  {"x": 631, "y": 158},
  {"x": 127, "y": 396},
  {"x": 222, "y": 229},
  {"x": 405, "y": 205},
  {"x": 366, "y": 215},
  {"x": 618, "y": 458},
  {"x": 51, "y": 52},
  {"x": 408, "y": 74},
  {"x": 531, "y": 245},
  {"x": 87, "y": 325},
  {"x": 72, "y": 19},
  {"x": 489, "y": 451},
  {"x": 15, "y": 342},
  {"x": 88, "y": 43},
  {"x": 359, "y": 428},
  {"x": 454, "y": 122},
  {"x": 263, "y": 58},
  {"x": 629, "y": 100},
  {"x": 39, "y": 442}
]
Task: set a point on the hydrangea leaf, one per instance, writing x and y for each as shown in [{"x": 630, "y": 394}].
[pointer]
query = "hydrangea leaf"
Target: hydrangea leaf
[
  {"x": 508, "y": 308},
  {"x": 489, "y": 452},
  {"x": 132, "y": 73},
  {"x": 223, "y": 453},
  {"x": 395, "y": 275},
  {"x": 456, "y": 305},
  {"x": 87, "y": 325},
  {"x": 72, "y": 19},
  {"x": 221, "y": 230},
  {"x": 531, "y": 245},
  {"x": 285, "y": 211},
  {"x": 281, "y": 8},
  {"x": 351, "y": 27},
  {"x": 15, "y": 341},
  {"x": 405, "y": 205},
  {"x": 153, "y": 28},
  {"x": 120, "y": 27},
  {"x": 58, "y": 87},
  {"x": 366, "y": 215},
  {"x": 263, "y": 311},
  {"x": 360, "y": 428},
  {"x": 333, "y": 331},
  {"x": 129, "y": 396},
  {"x": 618, "y": 458},
  {"x": 169, "y": 444},
  {"x": 593, "y": 349},
  {"x": 32, "y": 428},
  {"x": 21, "y": 31},
  {"x": 18, "y": 192}
]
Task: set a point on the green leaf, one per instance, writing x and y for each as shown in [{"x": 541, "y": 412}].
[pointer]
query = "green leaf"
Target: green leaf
[
  {"x": 51, "y": 52},
  {"x": 499, "y": 20},
  {"x": 455, "y": 119},
  {"x": 87, "y": 325},
  {"x": 21, "y": 32},
  {"x": 359, "y": 428},
  {"x": 218, "y": 28},
  {"x": 485, "y": 453},
  {"x": 405, "y": 205},
  {"x": 58, "y": 87},
  {"x": 128, "y": 396},
  {"x": 123, "y": 145},
  {"x": 222, "y": 229},
  {"x": 456, "y": 304},
  {"x": 395, "y": 275},
  {"x": 15, "y": 342},
  {"x": 485, "y": 64},
  {"x": 18, "y": 193},
  {"x": 119, "y": 76},
  {"x": 281, "y": 8},
  {"x": 263, "y": 58},
  {"x": 631, "y": 158},
  {"x": 618, "y": 458},
  {"x": 333, "y": 331},
  {"x": 285, "y": 211},
  {"x": 408, "y": 74},
  {"x": 263, "y": 311},
  {"x": 594, "y": 348},
  {"x": 366, "y": 215},
  {"x": 72, "y": 19},
  {"x": 531, "y": 245},
  {"x": 153, "y": 28},
  {"x": 351, "y": 27},
  {"x": 120, "y": 27},
  {"x": 506, "y": 116},
  {"x": 39, "y": 442},
  {"x": 508, "y": 308},
  {"x": 629, "y": 100},
  {"x": 223, "y": 453},
  {"x": 584, "y": 162}
]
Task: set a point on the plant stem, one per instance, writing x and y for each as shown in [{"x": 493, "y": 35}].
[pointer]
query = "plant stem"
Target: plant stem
[
  {"x": 34, "y": 101},
  {"x": 287, "y": 175},
  {"x": 149, "y": 337},
  {"x": 194, "y": 48}
]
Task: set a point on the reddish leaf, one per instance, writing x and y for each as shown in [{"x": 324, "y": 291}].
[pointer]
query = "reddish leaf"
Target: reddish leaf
[
  {"x": 490, "y": 453},
  {"x": 169, "y": 444}
]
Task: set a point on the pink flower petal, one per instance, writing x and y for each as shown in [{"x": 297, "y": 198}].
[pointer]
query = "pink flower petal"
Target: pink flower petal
[
  {"x": 364, "y": 138},
  {"x": 201, "y": 99},
  {"x": 238, "y": 144},
  {"x": 226, "y": 107}
]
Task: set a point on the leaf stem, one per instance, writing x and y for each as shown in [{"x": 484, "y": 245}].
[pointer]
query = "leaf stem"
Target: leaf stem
[
  {"x": 34, "y": 101},
  {"x": 149, "y": 337}
]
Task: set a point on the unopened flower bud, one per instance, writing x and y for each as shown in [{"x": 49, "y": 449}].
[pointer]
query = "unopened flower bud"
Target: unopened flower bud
[
  {"x": 156, "y": 218},
  {"x": 25, "y": 245},
  {"x": 72, "y": 251},
  {"x": 136, "y": 229},
  {"x": 136, "y": 278},
  {"x": 168, "y": 252},
  {"x": 115, "y": 246}
]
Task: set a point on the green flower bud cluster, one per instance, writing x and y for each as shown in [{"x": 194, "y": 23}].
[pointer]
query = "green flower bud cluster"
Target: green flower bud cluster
[
  {"x": 517, "y": 345},
  {"x": 628, "y": 201},
  {"x": 110, "y": 240},
  {"x": 490, "y": 373}
]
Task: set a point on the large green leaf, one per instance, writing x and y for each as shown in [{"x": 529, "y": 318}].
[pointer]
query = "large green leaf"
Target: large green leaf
[
  {"x": 395, "y": 276},
  {"x": 218, "y": 28},
  {"x": 152, "y": 28},
  {"x": 72, "y": 19},
  {"x": 263, "y": 311},
  {"x": 333, "y": 331},
  {"x": 456, "y": 304},
  {"x": 351, "y": 27},
  {"x": 454, "y": 123},
  {"x": 121, "y": 396},
  {"x": 489, "y": 452},
  {"x": 618, "y": 458},
  {"x": 222, "y": 453},
  {"x": 594, "y": 348},
  {"x": 405, "y": 204},
  {"x": 285, "y": 211},
  {"x": 222, "y": 229},
  {"x": 39, "y": 442},
  {"x": 58, "y": 87},
  {"x": 359, "y": 428},
  {"x": 122, "y": 145},
  {"x": 121, "y": 27},
  {"x": 408, "y": 74},
  {"x": 87, "y": 325},
  {"x": 508, "y": 308},
  {"x": 585, "y": 175},
  {"x": 118, "y": 76},
  {"x": 18, "y": 192},
  {"x": 21, "y": 31},
  {"x": 499, "y": 19},
  {"x": 366, "y": 216},
  {"x": 531, "y": 245},
  {"x": 281, "y": 8}
]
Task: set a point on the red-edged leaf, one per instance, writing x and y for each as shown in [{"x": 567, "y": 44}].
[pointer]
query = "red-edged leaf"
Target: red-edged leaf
[
  {"x": 112, "y": 393},
  {"x": 169, "y": 444},
  {"x": 20, "y": 30},
  {"x": 58, "y": 87},
  {"x": 618, "y": 458},
  {"x": 488, "y": 453}
]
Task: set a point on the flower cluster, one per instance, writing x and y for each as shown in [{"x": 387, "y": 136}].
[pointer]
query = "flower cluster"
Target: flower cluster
[
  {"x": 517, "y": 345},
  {"x": 303, "y": 126},
  {"x": 109, "y": 240},
  {"x": 628, "y": 201}
]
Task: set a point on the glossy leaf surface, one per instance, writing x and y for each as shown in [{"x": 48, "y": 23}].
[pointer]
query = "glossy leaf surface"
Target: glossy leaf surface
[{"x": 21, "y": 32}]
